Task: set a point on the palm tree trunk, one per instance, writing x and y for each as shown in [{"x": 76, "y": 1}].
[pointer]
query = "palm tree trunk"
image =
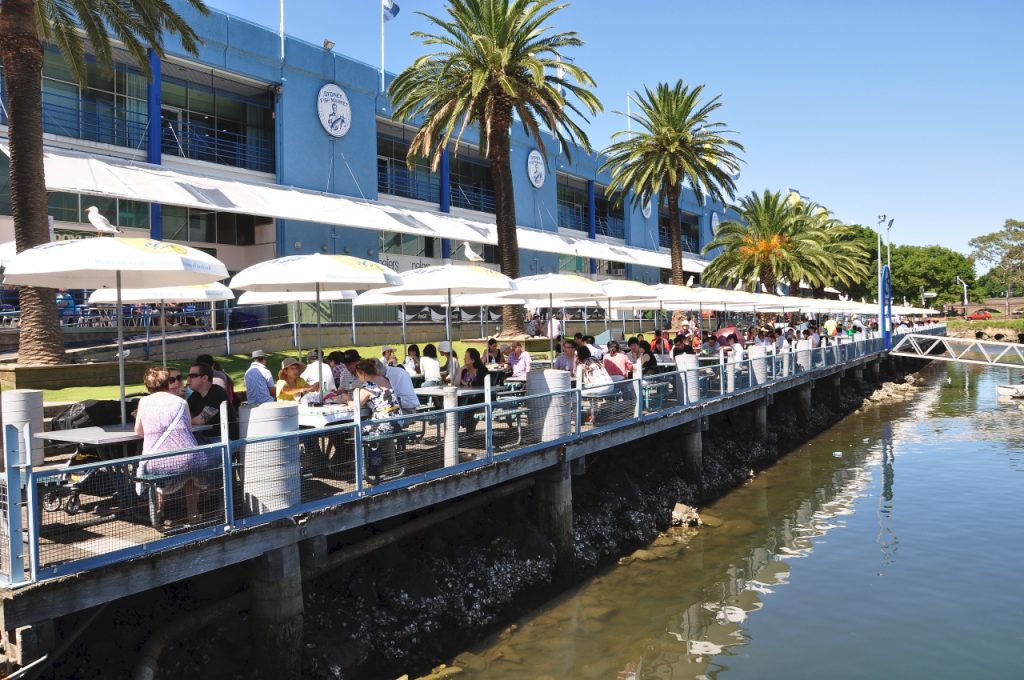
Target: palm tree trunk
[
  {"x": 40, "y": 340},
  {"x": 769, "y": 281},
  {"x": 674, "y": 234},
  {"x": 498, "y": 147}
]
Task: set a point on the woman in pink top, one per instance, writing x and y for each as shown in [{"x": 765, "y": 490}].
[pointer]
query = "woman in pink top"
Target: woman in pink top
[
  {"x": 164, "y": 424},
  {"x": 617, "y": 364}
]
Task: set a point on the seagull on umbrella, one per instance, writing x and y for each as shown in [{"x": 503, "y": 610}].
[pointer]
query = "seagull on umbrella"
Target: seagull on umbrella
[
  {"x": 101, "y": 223},
  {"x": 471, "y": 254}
]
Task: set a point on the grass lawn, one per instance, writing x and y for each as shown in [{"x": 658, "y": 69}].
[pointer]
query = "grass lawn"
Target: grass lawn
[
  {"x": 1012, "y": 324},
  {"x": 234, "y": 365}
]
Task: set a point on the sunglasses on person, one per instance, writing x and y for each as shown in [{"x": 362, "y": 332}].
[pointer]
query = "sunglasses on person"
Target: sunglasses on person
[
  {"x": 173, "y": 379},
  {"x": 195, "y": 375}
]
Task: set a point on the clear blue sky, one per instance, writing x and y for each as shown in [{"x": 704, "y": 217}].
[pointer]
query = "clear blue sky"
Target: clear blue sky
[{"x": 906, "y": 107}]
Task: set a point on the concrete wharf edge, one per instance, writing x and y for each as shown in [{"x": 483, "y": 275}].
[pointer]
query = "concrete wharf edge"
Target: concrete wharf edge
[{"x": 54, "y": 598}]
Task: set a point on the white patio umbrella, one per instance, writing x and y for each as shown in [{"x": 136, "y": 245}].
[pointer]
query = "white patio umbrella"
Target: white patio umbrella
[
  {"x": 556, "y": 287},
  {"x": 209, "y": 292},
  {"x": 113, "y": 263},
  {"x": 315, "y": 273},
  {"x": 453, "y": 279},
  {"x": 7, "y": 251},
  {"x": 257, "y": 297}
]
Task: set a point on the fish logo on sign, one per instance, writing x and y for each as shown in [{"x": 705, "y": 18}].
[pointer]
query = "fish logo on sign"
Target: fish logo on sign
[{"x": 333, "y": 109}]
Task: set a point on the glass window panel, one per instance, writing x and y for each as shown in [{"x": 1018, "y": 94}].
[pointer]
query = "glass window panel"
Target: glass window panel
[
  {"x": 175, "y": 223},
  {"x": 63, "y": 206},
  {"x": 411, "y": 244},
  {"x": 226, "y": 228},
  {"x": 174, "y": 94},
  {"x": 391, "y": 243},
  {"x": 99, "y": 78},
  {"x": 5, "y": 185},
  {"x": 201, "y": 100},
  {"x": 107, "y": 207},
  {"x": 54, "y": 66},
  {"x": 202, "y": 226},
  {"x": 245, "y": 230},
  {"x": 230, "y": 109},
  {"x": 133, "y": 214}
]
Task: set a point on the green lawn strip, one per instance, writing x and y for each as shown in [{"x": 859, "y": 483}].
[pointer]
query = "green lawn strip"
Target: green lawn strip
[
  {"x": 234, "y": 365},
  {"x": 1012, "y": 324}
]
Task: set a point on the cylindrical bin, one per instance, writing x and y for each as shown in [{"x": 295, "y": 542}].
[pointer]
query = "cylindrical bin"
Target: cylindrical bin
[
  {"x": 21, "y": 408},
  {"x": 689, "y": 363},
  {"x": 549, "y": 418},
  {"x": 270, "y": 468},
  {"x": 758, "y": 365},
  {"x": 803, "y": 355}
]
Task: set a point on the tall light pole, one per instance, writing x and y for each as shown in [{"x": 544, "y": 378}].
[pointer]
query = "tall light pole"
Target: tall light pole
[
  {"x": 881, "y": 221},
  {"x": 964, "y": 284},
  {"x": 888, "y": 245}
]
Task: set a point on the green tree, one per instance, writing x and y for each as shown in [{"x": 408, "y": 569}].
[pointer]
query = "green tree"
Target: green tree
[
  {"x": 495, "y": 58},
  {"x": 848, "y": 259},
  {"x": 776, "y": 239},
  {"x": 677, "y": 141},
  {"x": 867, "y": 287},
  {"x": 933, "y": 269},
  {"x": 24, "y": 25},
  {"x": 1003, "y": 252}
]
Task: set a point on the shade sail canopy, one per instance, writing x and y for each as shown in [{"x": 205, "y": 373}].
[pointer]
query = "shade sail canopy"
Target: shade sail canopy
[
  {"x": 211, "y": 292},
  {"x": 553, "y": 242},
  {"x": 387, "y": 297},
  {"x": 258, "y": 297},
  {"x": 556, "y": 286},
  {"x": 94, "y": 263},
  {"x": 297, "y": 273}
]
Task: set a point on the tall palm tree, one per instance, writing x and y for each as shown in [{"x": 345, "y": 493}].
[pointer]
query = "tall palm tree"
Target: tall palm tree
[
  {"x": 495, "y": 58},
  {"x": 849, "y": 261},
  {"x": 775, "y": 239},
  {"x": 677, "y": 141},
  {"x": 24, "y": 25}
]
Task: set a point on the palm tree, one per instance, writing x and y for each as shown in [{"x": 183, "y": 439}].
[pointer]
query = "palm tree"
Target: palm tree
[
  {"x": 677, "y": 141},
  {"x": 776, "y": 239},
  {"x": 495, "y": 58},
  {"x": 24, "y": 24}
]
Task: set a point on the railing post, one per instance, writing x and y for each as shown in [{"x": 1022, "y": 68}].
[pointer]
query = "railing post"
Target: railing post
[
  {"x": 227, "y": 470},
  {"x": 451, "y": 426},
  {"x": 34, "y": 510},
  {"x": 12, "y": 476},
  {"x": 638, "y": 391},
  {"x": 489, "y": 417},
  {"x": 357, "y": 437}
]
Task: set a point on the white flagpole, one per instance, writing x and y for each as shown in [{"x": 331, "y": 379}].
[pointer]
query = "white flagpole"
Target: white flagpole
[
  {"x": 629, "y": 116},
  {"x": 281, "y": 30},
  {"x": 381, "y": 45}
]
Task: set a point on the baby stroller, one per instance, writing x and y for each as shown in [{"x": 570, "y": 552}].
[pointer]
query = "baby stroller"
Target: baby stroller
[{"x": 101, "y": 482}]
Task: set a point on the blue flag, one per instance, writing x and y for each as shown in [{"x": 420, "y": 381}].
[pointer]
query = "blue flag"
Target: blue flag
[{"x": 390, "y": 9}]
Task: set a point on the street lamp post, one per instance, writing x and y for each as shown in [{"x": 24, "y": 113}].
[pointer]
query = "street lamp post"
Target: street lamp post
[
  {"x": 888, "y": 244},
  {"x": 881, "y": 221},
  {"x": 964, "y": 284}
]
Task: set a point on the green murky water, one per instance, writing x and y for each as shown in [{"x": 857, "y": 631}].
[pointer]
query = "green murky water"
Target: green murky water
[{"x": 890, "y": 546}]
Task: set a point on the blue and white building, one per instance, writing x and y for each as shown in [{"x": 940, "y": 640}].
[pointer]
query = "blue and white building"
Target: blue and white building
[{"x": 262, "y": 147}]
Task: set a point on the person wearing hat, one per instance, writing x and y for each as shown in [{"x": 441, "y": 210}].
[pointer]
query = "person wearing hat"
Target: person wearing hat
[
  {"x": 259, "y": 383},
  {"x": 314, "y": 369},
  {"x": 387, "y": 355},
  {"x": 449, "y": 364},
  {"x": 290, "y": 385}
]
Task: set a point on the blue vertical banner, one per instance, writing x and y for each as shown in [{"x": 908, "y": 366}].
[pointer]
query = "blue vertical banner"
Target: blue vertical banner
[{"x": 885, "y": 307}]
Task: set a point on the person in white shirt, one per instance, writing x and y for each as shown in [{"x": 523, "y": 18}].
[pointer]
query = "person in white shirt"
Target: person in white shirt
[
  {"x": 519, "y": 360},
  {"x": 430, "y": 367},
  {"x": 315, "y": 369},
  {"x": 554, "y": 326},
  {"x": 450, "y": 364}
]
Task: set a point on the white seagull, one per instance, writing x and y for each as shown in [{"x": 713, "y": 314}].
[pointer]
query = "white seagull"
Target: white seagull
[
  {"x": 689, "y": 281},
  {"x": 101, "y": 223},
  {"x": 471, "y": 254}
]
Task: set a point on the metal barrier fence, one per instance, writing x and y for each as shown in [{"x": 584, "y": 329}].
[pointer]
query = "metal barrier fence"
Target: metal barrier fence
[{"x": 84, "y": 516}]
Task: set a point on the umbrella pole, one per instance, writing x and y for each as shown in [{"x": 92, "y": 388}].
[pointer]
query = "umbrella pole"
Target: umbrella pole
[
  {"x": 295, "y": 327},
  {"x": 163, "y": 333},
  {"x": 352, "y": 307},
  {"x": 145, "y": 320},
  {"x": 448, "y": 320},
  {"x": 551, "y": 315},
  {"x": 319, "y": 346},
  {"x": 119, "y": 317},
  {"x": 405, "y": 340},
  {"x": 608, "y": 315},
  {"x": 227, "y": 326}
]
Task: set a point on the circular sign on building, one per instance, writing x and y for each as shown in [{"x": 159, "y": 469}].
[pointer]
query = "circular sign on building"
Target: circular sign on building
[
  {"x": 333, "y": 109},
  {"x": 535, "y": 169},
  {"x": 714, "y": 223},
  {"x": 645, "y": 209}
]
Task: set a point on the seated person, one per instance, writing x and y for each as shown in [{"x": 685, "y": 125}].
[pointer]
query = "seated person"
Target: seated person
[
  {"x": 449, "y": 364},
  {"x": 566, "y": 361},
  {"x": 430, "y": 367},
  {"x": 616, "y": 363},
  {"x": 596, "y": 381},
  {"x": 519, "y": 361},
  {"x": 290, "y": 386},
  {"x": 494, "y": 355},
  {"x": 401, "y": 384},
  {"x": 206, "y": 398},
  {"x": 315, "y": 369}
]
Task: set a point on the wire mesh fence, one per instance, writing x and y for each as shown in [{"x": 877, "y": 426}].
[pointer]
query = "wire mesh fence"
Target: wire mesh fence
[{"x": 5, "y": 534}]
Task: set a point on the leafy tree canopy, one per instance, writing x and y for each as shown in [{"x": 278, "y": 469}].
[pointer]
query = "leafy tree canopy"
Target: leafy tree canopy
[
  {"x": 934, "y": 268},
  {"x": 1003, "y": 252}
]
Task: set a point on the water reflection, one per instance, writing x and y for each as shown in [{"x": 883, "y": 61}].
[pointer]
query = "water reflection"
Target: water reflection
[
  {"x": 691, "y": 597},
  {"x": 887, "y": 540}
]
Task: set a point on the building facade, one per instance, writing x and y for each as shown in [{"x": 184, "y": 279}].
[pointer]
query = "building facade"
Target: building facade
[{"x": 258, "y": 112}]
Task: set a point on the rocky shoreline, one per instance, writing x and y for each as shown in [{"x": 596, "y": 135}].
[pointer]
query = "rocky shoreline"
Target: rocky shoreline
[{"x": 413, "y": 606}]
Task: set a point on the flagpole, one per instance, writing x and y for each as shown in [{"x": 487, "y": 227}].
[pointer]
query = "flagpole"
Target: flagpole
[
  {"x": 281, "y": 30},
  {"x": 382, "y": 46}
]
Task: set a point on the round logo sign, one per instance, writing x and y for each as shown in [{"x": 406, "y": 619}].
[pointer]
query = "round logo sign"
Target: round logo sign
[
  {"x": 535, "y": 169},
  {"x": 714, "y": 223},
  {"x": 333, "y": 109},
  {"x": 645, "y": 209}
]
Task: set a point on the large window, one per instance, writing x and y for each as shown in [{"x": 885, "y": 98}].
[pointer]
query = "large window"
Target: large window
[
  {"x": 689, "y": 232},
  {"x": 209, "y": 123},
  {"x": 572, "y": 203},
  {"x": 395, "y": 177},
  {"x": 409, "y": 244},
  {"x": 471, "y": 183},
  {"x": 610, "y": 219}
]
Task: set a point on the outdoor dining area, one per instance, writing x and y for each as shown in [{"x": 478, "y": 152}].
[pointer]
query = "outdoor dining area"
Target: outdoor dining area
[{"x": 360, "y": 425}]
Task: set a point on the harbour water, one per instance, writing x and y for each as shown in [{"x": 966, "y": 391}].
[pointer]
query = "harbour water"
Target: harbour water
[{"x": 889, "y": 546}]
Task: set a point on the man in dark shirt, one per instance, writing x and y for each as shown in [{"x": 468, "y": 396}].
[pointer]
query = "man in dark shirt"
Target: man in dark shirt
[{"x": 205, "y": 400}]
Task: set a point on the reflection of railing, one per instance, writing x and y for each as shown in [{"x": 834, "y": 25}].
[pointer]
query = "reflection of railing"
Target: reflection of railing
[
  {"x": 332, "y": 466},
  {"x": 472, "y": 197},
  {"x": 689, "y": 243},
  {"x": 94, "y": 120},
  {"x": 205, "y": 143},
  {"x": 611, "y": 226}
]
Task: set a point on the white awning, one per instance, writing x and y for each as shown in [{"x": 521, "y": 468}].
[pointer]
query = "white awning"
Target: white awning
[{"x": 77, "y": 172}]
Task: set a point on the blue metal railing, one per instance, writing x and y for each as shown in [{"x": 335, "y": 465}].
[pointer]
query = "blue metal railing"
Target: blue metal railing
[
  {"x": 94, "y": 120},
  {"x": 472, "y": 197},
  {"x": 689, "y": 243},
  {"x": 191, "y": 139},
  {"x": 572, "y": 217},
  {"x": 611, "y": 226},
  {"x": 644, "y": 398},
  {"x": 398, "y": 180}
]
